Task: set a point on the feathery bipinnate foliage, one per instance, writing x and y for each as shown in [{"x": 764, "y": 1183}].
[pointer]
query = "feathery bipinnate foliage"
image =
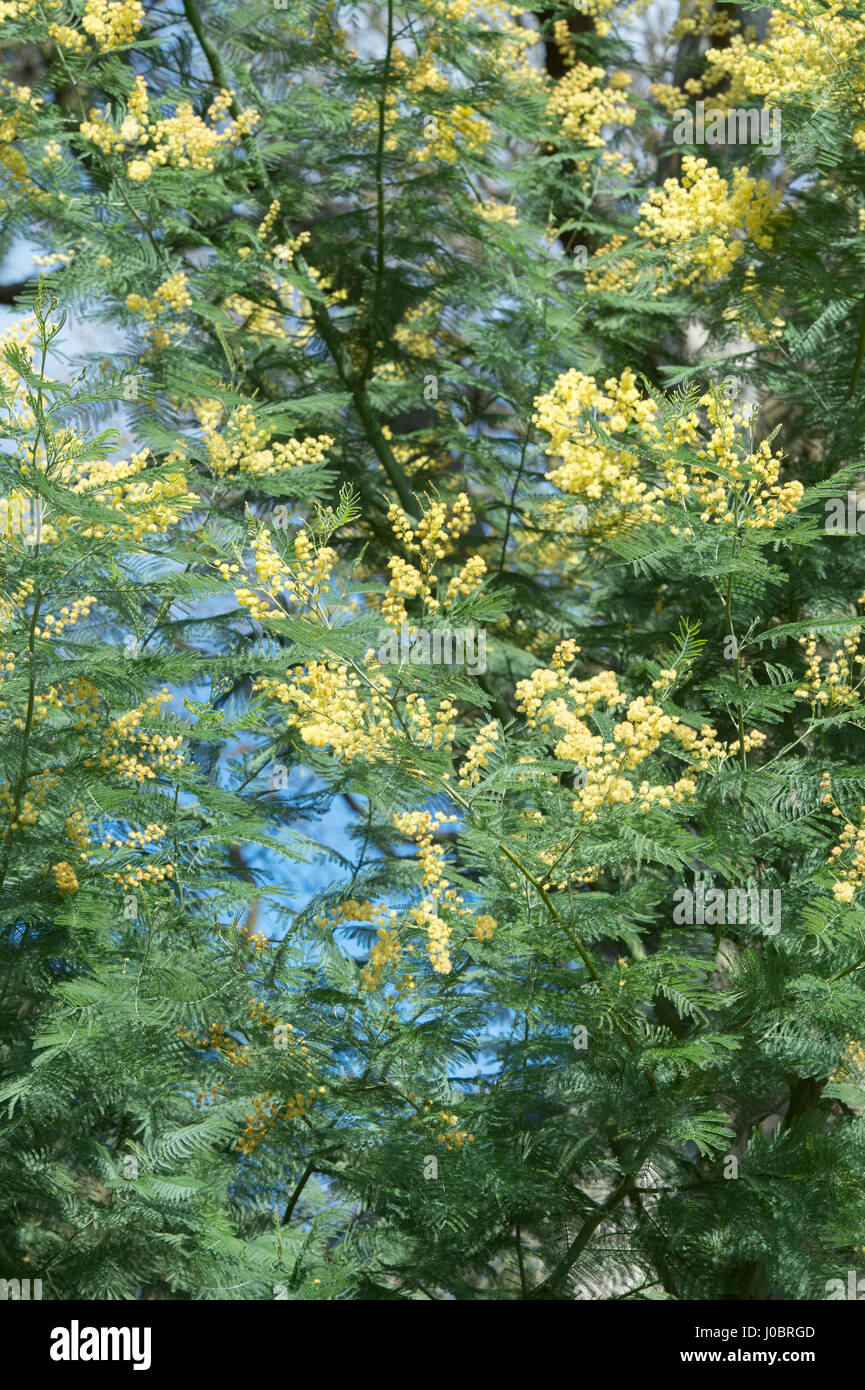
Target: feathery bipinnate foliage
[{"x": 409, "y": 302}]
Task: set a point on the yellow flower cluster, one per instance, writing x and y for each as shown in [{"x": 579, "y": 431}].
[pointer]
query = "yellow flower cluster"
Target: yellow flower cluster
[
  {"x": 703, "y": 17},
  {"x": 246, "y": 445},
  {"x": 582, "y": 107},
  {"x": 812, "y": 53},
  {"x": 422, "y": 826},
  {"x": 293, "y": 1106},
  {"x": 565, "y": 652},
  {"x": 202, "y": 1100},
  {"x": 151, "y": 873},
  {"x": 670, "y": 98},
  {"x": 416, "y": 79},
  {"x": 17, "y": 105},
  {"x": 564, "y": 41},
  {"x": 79, "y": 608},
  {"x": 702, "y": 217},
  {"x": 76, "y": 829},
  {"x": 441, "y": 1124},
  {"x": 215, "y": 1039},
  {"x": 405, "y": 582},
  {"x": 497, "y": 15},
  {"x": 44, "y": 702},
  {"x": 268, "y": 221},
  {"x": 354, "y": 910},
  {"x": 561, "y": 877},
  {"x": 112, "y": 24},
  {"x": 181, "y": 141},
  {"x": 478, "y": 754},
  {"x": 608, "y": 475},
  {"x": 417, "y": 335},
  {"x": 81, "y": 699},
  {"x": 106, "y": 25},
  {"x": 558, "y": 704},
  {"x": 172, "y": 295},
  {"x": 135, "y": 752},
  {"x": 64, "y": 876},
  {"x": 470, "y": 577},
  {"x": 609, "y": 272},
  {"x": 461, "y": 128},
  {"x": 740, "y": 486},
  {"x": 18, "y": 519},
  {"x": 736, "y": 487},
  {"x": 17, "y": 175},
  {"x": 384, "y": 951},
  {"x": 20, "y": 335},
  {"x": 327, "y": 706},
  {"x": 287, "y": 1036},
  {"x": 427, "y": 732},
  {"x": 312, "y": 569},
  {"x": 485, "y": 926},
  {"x": 260, "y": 321},
  {"x": 15, "y": 101},
  {"x": 497, "y": 212},
  {"x": 54, "y": 259},
  {"x": 12, "y": 605},
  {"x": 151, "y": 501},
  {"x": 848, "y": 855},
  {"x": 836, "y": 687},
  {"x": 300, "y": 582},
  {"x": 267, "y": 1109},
  {"x": 426, "y": 916},
  {"x": 365, "y": 117},
  {"x": 666, "y": 677},
  {"x": 137, "y": 839},
  {"x": 256, "y": 939},
  {"x": 28, "y": 810},
  {"x": 7, "y": 665},
  {"x": 615, "y": 162},
  {"x": 601, "y": 11},
  {"x": 428, "y": 541}
]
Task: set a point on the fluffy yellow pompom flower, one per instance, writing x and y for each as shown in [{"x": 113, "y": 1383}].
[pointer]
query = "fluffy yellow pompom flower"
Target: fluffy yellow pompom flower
[
  {"x": 702, "y": 216},
  {"x": 64, "y": 875}
]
